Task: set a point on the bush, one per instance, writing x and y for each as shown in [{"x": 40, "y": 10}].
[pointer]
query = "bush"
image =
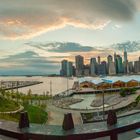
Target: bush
[
  {"x": 127, "y": 91},
  {"x": 123, "y": 92}
]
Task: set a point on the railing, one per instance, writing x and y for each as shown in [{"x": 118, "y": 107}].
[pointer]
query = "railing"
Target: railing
[{"x": 65, "y": 132}]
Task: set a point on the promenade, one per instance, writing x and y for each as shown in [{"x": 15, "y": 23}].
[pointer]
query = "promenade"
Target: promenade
[{"x": 56, "y": 113}]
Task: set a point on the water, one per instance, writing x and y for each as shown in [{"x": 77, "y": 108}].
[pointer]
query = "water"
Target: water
[{"x": 59, "y": 84}]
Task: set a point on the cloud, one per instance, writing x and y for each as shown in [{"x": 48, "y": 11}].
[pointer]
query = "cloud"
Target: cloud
[
  {"x": 130, "y": 46},
  {"x": 25, "y": 19},
  {"x": 26, "y": 63},
  {"x": 59, "y": 47}
]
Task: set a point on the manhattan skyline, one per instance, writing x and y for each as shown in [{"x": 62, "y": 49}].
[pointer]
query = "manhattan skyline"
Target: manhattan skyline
[{"x": 36, "y": 35}]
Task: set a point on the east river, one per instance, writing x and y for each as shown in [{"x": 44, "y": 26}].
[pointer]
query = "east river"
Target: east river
[{"x": 55, "y": 84}]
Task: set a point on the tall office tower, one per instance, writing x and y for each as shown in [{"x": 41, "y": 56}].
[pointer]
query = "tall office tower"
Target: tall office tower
[
  {"x": 63, "y": 71},
  {"x": 125, "y": 55},
  {"x": 101, "y": 68},
  {"x": 130, "y": 67},
  {"x": 119, "y": 64},
  {"x": 112, "y": 69},
  {"x": 66, "y": 68},
  {"x": 86, "y": 70},
  {"x": 69, "y": 69},
  {"x": 73, "y": 70},
  {"x": 109, "y": 60},
  {"x": 115, "y": 61},
  {"x": 125, "y": 62},
  {"x": 93, "y": 66},
  {"x": 136, "y": 66},
  {"x": 99, "y": 60},
  {"x": 79, "y": 62},
  {"x": 115, "y": 57}
]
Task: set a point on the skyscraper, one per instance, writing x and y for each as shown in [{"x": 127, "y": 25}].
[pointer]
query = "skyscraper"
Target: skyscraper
[
  {"x": 79, "y": 62},
  {"x": 119, "y": 64},
  {"x": 136, "y": 66},
  {"x": 66, "y": 68},
  {"x": 93, "y": 66},
  {"x": 101, "y": 68},
  {"x": 99, "y": 60},
  {"x": 125, "y": 61},
  {"x": 69, "y": 69},
  {"x": 130, "y": 67},
  {"x": 109, "y": 59},
  {"x": 125, "y": 55},
  {"x": 112, "y": 69},
  {"x": 63, "y": 71}
]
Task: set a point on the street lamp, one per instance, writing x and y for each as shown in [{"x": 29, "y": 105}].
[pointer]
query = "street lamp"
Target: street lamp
[
  {"x": 50, "y": 87},
  {"x": 67, "y": 85},
  {"x": 109, "y": 82}
]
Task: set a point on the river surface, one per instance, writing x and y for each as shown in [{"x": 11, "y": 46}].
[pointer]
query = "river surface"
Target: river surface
[{"x": 59, "y": 84}]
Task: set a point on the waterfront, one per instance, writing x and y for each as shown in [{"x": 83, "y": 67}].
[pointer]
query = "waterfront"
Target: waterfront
[{"x": 58, "y": 84}]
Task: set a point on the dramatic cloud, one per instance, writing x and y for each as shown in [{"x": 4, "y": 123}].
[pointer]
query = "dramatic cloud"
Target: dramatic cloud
[
  {"x": 28, "y": 63},
  {"x": 28, "y": 18},
  {"x": 133, "y": 46},
  {"x": 61, "y": 47}
]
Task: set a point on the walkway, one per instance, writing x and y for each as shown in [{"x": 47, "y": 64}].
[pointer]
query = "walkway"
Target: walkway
[
  {"x": 56, "y": 114},
  {"x": 13, "y": 112}
]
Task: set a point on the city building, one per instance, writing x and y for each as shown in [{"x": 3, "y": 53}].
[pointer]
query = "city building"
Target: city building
[
  {"x": 102, "y": 68},
  {"x": 136, "y": 66},
  {"x": 66, "y": 68},
  {"x": 79, "y": 62},
  {"x": 125, "y": 62},
  {"x": 112, "y": 69},
  {"x": 63, "y": 71},
  {"x": 86, "y": 70},
  {"x": 93, "y": 67},
  {"x": 119, "y": 64},
  {"x": 99, "y": 59},
  {"x": 130, "y": 67}
]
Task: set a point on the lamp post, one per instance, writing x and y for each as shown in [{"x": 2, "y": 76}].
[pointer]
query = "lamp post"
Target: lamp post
[
  {"x": 109, "y": 82},
  {"x": 50, "y": 87},
  {"x": 103, "y": 105},
  {"x": 67, "y": 85}
]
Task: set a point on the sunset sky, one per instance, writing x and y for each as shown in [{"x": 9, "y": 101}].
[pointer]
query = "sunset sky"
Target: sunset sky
[{"x": 34, "y": 33}]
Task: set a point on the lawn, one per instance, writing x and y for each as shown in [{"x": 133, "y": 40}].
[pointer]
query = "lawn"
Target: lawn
[
  {"x": 7, "y": 105},
  {"x": 36, "y": 114}
]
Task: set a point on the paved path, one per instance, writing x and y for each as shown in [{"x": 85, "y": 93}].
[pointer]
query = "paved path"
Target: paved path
[
  {"x": 13, "y": 112},
  {"x": 6, "y": 138},
  {"x": 56, "y": 115}
]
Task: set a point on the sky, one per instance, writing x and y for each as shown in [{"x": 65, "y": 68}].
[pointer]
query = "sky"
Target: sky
[{"x": 35, "y": 35}]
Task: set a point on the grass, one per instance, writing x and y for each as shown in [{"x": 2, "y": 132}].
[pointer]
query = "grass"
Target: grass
[
  {"x": 10, "y": 117},
  {"x": 7, "y": 105},
  {"x": 36, "y": 114}
]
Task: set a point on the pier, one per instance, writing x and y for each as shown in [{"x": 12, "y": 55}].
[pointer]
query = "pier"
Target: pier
[{"x": 9, "y": 85}]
